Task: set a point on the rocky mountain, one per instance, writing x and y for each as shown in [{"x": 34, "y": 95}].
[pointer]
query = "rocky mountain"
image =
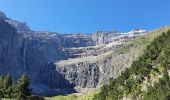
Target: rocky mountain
[
  {"x": 19, "y": 26},
  {"x": 148, "y": 78},
  {"x": 59, "y": 64},
  {"x": 3, "y": 16}
]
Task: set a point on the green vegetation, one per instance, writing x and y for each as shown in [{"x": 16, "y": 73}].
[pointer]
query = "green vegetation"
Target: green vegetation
[
  {"x": 147, "y": 78},
  {"x": 19, "y": 91},
  {"x": 141, "y": 43},
  {"x": 89, "y": 96}
]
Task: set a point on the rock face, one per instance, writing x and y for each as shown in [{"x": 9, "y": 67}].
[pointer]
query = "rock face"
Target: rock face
[
  {"x": 32, "y": 56},
  {"x": 2, "y": 15},
  {"x": 94, "y": 71},
  {"x": 104, "y": 37},
  {"x": 39, "y": 53},
  {"x": 81, "y": 74},
  {"x": 10, "y": 50},
  {"x": 76, "y": 40},
  {"x": 19, "y": 26},
  {"x": 56, "y": 64}
]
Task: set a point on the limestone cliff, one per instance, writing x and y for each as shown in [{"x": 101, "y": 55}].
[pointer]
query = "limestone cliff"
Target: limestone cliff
[
  {"x": 10, "y": 50},
  {"x": 57, "y": 64}
]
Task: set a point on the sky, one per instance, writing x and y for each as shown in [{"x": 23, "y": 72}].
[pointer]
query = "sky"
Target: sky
[{"x": 88, "y": 16}]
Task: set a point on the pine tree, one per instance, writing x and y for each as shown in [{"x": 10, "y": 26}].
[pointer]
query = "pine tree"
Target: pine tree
[
  {"x": 23, "y": 87},
  {"x": 7, "y": 81},
  {"x": 1, "y": 86}
]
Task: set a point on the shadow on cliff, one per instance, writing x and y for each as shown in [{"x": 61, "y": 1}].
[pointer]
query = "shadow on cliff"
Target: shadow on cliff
[{"x": 52, "y": 83}]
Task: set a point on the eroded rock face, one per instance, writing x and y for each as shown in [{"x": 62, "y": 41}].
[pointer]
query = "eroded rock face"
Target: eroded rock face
[
  {"x": 57, "y": 63},
  {"x": 30, "y": 55},
  {"x": 37, "y": 54},
  {"x": 81, "y": 74},
  {"x": 2, "y": 15},
  {"x": 92, "y": 72},
  {"x": 19, "y": 26},
  {"x": 76, "y": 40},
  {"x": 104, "y": 37},
  {"x": 10, "y": 50}
]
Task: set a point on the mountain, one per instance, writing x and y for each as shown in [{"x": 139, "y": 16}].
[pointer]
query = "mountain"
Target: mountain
[
  {"x": 69, "y": 63},
  {"x": 147, "y": 78},
  {"x": 139, "y": 46}
]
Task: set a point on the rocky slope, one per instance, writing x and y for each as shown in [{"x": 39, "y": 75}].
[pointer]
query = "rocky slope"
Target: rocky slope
[
  {"x": 58, "y": 64},
  {"x": 148, "y": 77}
]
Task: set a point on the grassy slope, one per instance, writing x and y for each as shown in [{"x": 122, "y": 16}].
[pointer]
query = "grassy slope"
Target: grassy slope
[
  {"x": 141, "y": 42},
  {"x": 139, "y": 90},
  {"x": 89, "y": 96}
]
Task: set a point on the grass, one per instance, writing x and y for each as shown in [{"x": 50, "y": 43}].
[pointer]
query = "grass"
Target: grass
[{"x": 89, "y": 96}]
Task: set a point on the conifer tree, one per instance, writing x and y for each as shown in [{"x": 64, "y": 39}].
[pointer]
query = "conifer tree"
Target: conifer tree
[{"x": 23, "y": 87}]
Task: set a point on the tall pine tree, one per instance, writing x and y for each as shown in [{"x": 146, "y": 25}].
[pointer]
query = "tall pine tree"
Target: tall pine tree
[{"x": 23, "y": 87}]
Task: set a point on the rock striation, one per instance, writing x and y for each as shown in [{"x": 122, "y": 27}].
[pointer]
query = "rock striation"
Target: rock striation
[{"x": 10, "y": 50}]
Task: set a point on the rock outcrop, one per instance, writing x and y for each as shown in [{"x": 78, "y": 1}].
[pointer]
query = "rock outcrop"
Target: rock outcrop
[
  {"x": 76, "y": 40},
  {"x": 19, "y": 26},
  {"x": 2, "y": 15}
]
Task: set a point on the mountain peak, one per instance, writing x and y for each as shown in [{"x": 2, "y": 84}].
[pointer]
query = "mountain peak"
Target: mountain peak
[
  {"x": 136, "y": 31},
  {"x": 2, "y": 15}
]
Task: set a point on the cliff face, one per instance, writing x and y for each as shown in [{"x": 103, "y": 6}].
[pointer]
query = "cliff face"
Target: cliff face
[
  {"x": 20, "y": 27},
  {"x": 20, "y": 54},
  {"x": 94, "y": 71},
  {"x": 38, "y": 53},
  {"x": 10, "y": 50},
  {"x": 56, "y": 64},
  {"x": 76, "y": 40},
  {"x": 104, "y": 37}
]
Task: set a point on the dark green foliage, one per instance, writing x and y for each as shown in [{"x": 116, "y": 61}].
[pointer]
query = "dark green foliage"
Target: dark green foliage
[
  {"x": 23, "y": 84},
  {"x": 158, "y": 52},
  {"x": 5, "y": 84},
  {"x": 160, "y": 91},
  {"x": 7, "y": 81},
  {"x": 102, "y": 95},
  {"x": 17, "y": 91}
]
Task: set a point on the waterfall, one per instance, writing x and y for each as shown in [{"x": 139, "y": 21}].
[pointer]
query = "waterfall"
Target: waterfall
[{"x": 24, "y": 53}]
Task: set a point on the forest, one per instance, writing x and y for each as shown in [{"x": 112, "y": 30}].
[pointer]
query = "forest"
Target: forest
[{"x": 14, "y": 90}]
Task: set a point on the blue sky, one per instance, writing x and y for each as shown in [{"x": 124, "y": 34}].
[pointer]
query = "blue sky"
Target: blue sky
[{"x": 88, "y": 16}]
